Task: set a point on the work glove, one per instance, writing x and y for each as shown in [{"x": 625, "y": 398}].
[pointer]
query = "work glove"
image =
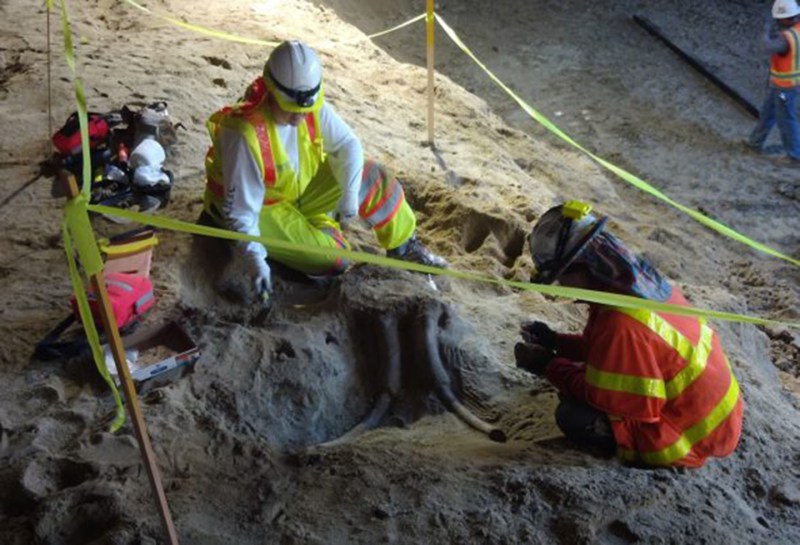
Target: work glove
[
  {"x": 257, "y": 270},
  {"x": 533, "y": 358},
  {"x": 537, "y": 332}
]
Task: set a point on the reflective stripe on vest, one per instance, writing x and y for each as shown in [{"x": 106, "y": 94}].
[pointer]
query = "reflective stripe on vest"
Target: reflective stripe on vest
[
  {"x": 693, "y": 435},
  {"x": 785, "y": 69},
  {"x": 120, "y": 284},
  {"x": 696, "y": 358},
  {"x": 259, "y": 124},
  {"x": 142, "y": 301},
  {"x": 379, "y": 201}
]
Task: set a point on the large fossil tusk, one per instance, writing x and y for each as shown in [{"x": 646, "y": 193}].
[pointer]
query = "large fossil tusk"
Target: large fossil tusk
[
  {"x": 442, "y": 380},
  {"x": 391, "y": 382}
]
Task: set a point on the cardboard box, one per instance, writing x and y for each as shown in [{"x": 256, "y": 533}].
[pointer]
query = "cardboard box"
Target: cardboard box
[{"x": 157, "y": 355}]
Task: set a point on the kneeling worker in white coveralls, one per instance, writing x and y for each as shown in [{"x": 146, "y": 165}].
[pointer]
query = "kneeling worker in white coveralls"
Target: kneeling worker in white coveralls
[{"x": 284, "y": 165}]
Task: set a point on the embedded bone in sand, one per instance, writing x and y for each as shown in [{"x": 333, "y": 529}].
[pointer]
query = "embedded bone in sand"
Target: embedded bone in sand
[
  {"x": 410, "y": 342},
  {"x": 444, "y": 390}
]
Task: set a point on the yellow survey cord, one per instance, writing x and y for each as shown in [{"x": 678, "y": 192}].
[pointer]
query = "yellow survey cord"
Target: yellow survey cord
[
  {"x": 88, "y": 323},
  {"x": 603, "y": 298},
  {"x": 627, "y": 176}
]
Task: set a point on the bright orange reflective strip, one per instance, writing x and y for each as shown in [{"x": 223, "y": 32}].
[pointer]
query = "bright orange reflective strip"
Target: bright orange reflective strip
[
  {"x": 312, "y": 130},
  {"x": 266, "y": 149}
]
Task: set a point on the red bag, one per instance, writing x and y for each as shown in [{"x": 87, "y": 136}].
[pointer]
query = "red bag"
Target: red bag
[
  {"x": 68, "y": 138},
  {"x": 130, "y": 295}
]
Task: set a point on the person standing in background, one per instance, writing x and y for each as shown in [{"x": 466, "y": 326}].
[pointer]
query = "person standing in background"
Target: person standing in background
[{"x": 782, "y": 42}]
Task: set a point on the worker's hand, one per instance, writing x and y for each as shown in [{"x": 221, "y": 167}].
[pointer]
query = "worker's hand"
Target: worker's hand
[
  {"x": 343, "y": 220},
  {"x": 533, "y": 358},
  {"x": 347, "y": 209},
  {"x": 539, "y": 333},
  {"x": 260, "y": 276}
]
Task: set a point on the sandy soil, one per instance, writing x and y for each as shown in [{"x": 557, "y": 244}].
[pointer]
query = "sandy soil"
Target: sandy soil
[{"x": 238, "y": 441}]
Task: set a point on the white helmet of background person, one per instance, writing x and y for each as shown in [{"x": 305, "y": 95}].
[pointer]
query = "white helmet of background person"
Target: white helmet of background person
[
  {"x": 293, "y": 75},
  {"x": 784, "y": 9},
  {"x": 559, "y": 237}
]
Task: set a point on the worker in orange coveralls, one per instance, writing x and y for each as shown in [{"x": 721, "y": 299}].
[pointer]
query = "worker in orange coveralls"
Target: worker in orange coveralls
[{"x": 654, "y": 387}]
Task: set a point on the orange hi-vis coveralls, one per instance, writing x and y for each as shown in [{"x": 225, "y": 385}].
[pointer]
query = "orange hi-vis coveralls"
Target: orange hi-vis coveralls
[
  {"x": 662, "y": 379},
  {"x": 283, "y": 182}
]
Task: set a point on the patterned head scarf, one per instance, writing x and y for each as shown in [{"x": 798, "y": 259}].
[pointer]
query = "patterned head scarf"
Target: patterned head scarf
[{"x": 612, "y": 264}]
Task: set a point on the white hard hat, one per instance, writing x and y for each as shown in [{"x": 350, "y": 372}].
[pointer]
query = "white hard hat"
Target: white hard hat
[
  {"x": 294, "y": 76},
  {"x": 559, "y": 237},
  {"x": 784, "y": 9}
]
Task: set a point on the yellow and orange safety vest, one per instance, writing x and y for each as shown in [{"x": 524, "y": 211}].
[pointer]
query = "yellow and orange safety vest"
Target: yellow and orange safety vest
[
  {"x": 665, "y": 383},
  {"x": 252, "y": 119},
  {"x": 784, "y": 69}
]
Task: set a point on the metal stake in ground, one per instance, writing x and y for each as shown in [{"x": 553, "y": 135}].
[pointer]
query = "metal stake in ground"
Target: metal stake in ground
[{"x": 131, "y": 399}]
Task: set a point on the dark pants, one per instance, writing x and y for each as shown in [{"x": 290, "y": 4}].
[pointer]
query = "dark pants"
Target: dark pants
[{"x": 585, "y": 426}]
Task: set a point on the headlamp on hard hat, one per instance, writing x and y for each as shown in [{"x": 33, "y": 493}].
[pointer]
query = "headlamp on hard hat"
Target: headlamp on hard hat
[
  {"x": 573, "y": 228},
  {"x": 303, "y": 98},
  {"x": 293, "y": 75}
]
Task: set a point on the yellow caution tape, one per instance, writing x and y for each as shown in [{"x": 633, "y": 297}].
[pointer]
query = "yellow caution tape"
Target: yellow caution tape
[
  {"x": 334, "y": 43},
  {"x": 255, "y": 41},
  {"x": 80, "y": 98},
  {"x": 88, "y": 320},
  {"x": 604, "y": 298},
  {"x": 627, "y": 176},
  {"x": 78, "y": 221},
  {"x": 201, "y": 29}
]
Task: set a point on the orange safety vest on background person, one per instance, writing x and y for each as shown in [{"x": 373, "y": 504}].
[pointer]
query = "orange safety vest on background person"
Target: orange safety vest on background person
[
  {"x": 784, "y": 69},
  {"x": 665, "y": 383},
  {"x": 252, "y": 119}
]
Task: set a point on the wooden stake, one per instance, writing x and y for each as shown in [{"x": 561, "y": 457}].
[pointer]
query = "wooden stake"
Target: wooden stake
[
  {"x": 131, "y": 397},
  {"x": 430, "y": 27},
  {"x": 49, "y": 86}
]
